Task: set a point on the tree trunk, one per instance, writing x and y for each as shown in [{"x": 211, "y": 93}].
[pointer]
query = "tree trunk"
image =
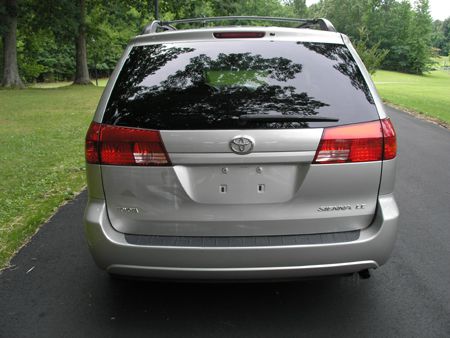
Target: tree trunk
[
  {"x": 10, "y": 69},
  {"x": 82, "y": 71}
]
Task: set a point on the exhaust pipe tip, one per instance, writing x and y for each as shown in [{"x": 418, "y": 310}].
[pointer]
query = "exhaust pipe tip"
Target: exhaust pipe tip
[{"x": 364, "y": 274}]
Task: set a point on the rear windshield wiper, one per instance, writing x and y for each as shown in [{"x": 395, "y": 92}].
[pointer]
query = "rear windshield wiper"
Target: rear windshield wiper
[{"x": 285, "y": 118}]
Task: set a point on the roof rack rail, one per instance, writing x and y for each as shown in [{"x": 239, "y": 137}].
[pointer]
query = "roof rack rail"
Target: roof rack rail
[{"x": 323, "y": 24}]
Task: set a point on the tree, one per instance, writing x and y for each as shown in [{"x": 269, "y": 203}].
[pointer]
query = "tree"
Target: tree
[
  {"x": 441, "y": 36},
  {"x": 47, "y": 42},
  {"x": 372, "y": 56},
  {"x": 109, "y": 29},
  {"x": 298, "y": 8},
  {"x": 82, "y": 72},
  {"x": 420, "y": 38},
  {"x": 66, "y": 20},
  {"x": 388, "y": 23},
  {"x": 66, "y": 39},
  {"x": 8, "y": 15},
  {"x": 446, "y": 32},
  {"x": 346, "y": 15}
]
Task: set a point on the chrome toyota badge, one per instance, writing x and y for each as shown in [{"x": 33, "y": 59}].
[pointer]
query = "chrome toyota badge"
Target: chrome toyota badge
[{"x": 242, "y": 145}]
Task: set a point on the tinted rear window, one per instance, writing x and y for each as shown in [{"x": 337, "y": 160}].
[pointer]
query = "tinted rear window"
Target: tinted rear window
[{"x": 208, "y": 85}]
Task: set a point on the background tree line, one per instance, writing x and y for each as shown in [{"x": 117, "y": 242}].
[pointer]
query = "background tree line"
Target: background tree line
[{"x": 48, "y": 40}]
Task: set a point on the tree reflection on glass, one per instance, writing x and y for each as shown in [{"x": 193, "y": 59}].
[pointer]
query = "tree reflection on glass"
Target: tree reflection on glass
[
  {"x": 344, "y": 64},
  {"x": 188, "y": 96},
  {"x": 140, "y": 64},
  {"x": 209, "y": 85}
]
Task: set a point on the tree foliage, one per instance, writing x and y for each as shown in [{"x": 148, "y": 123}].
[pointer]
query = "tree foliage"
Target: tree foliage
[
  {"x": 372, "y": 56},
  {"x": 389, "y": 34},
  {"x": 440, "y": 36},
  {"x": 395, "y": 26}
]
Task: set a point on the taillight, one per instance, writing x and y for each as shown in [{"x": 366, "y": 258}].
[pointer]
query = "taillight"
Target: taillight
[
  {"x": 125, "y": 146},
  {"x": 239, "y": 35},
  {"x": 92, "y": 141},
  {"x": 390, "y": 140},
  {"x": 362, "y": 142}
]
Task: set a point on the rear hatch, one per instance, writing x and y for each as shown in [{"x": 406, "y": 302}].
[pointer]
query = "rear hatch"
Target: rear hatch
[{"x": 233, "y": 129}]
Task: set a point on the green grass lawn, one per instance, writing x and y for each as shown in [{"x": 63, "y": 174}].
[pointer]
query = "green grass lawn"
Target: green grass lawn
[
  {"x": 41, "y": 156},
  {"x": 45, "y": 85},
  {"x": 427, "y": 94}
]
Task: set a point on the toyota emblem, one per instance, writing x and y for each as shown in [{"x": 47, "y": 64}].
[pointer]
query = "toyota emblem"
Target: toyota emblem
[{"x": 242, "y": 145}]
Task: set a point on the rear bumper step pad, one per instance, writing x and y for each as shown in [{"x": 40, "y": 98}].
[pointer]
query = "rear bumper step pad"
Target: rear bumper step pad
[{"x": 243, "y": 241}]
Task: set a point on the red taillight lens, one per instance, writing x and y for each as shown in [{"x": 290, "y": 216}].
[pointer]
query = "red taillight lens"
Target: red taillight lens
[
  {"x": 127, "y": 146},
  {"x": 390, "y": 140},
  {"x": 92, "y": 141},
  {"x": 239, "y": 35},
  {"x": 361, "y": 142}
]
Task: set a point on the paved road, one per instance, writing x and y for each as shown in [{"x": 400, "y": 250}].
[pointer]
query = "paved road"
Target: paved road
[{"x": 65, "y": 295}]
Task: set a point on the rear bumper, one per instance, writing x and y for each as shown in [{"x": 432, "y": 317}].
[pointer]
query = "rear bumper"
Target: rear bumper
[{"x": 112, "y": 252}]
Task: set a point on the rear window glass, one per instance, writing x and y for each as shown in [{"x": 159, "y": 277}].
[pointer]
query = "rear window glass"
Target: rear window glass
[{"x": 210, "y": 85}]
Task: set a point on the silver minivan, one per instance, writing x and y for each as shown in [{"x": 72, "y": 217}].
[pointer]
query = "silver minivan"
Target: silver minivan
[{"x": 240, "y": 153}]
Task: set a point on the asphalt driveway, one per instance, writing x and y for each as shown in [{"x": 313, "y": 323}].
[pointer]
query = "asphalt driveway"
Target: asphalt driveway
[{"x": 55, "y": 290}]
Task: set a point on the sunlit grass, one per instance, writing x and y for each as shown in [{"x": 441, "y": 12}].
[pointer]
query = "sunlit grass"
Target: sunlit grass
[
  {"x": 427, "y": 94},
  {"x": 41, "y": 155},
  {"x": 46, "y": 85}
]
